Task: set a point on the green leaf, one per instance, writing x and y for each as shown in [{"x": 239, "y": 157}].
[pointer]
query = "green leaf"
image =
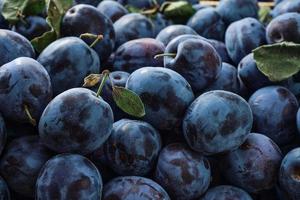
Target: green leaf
[
  {"x": 56, "y": 10},
  {"x": 265, "y": 15},
  {"x": 12, "y": 9},
  {"x": 128, "y": 101},
  {"x": 179, "y": 11},
  {"x": 278, "y": 61}
]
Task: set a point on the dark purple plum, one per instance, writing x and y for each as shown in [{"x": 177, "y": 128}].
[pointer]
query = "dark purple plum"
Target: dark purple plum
[
  {"x": 112, "y": 9},
  {"x": 289, "y": 174},
  {"x": 285, "y": 27},
  {"x": 76, "y": 121},
  {"x": 221, "y": 49},
  {"x": 243, "y": 36},
  {"x": 138, "y": 53},
  {"x": 118, "y": 78},
  {"x": 69, "y": 177},
  {"x": 234, "y": 10},
  {"x": 24, "y": 83},
  {"x": 3, "y": 134},
  {"x": 68, "y": 61},
  {"x": 183, "y": 173},
  {"x": 286, "y": 6},
  {"x": 227, "y": 80},
  {"x": 274, "y": 111},
  {"x": 216, "y": 122},
  {"x": 172, "y": 31},
  {"x": 208, "y": 23},
  {"x": 226, "y": 192},
  {"x": 84, "y": 18},
  {"x": 90, "y": 2},
  {"x": 4, "y": 190},
  {"x": 248, "y": 72},
  {"x": 165, "y": 94},
  {"x": 133, "y": 188},
  {"x": 132, "y": 26},
  {"x": 254, "y": 165},
  {"x": 132, "y": 148},
  {"x": 21, "y": 163},
  {"x": 31, "y": 27},
  {"x": 196, "y": 60},
  {"x": 13, "y": 45},
  {"x": 159, "y": 23}
]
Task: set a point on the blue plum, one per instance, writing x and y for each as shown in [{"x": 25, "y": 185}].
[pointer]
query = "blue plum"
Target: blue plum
[
  {"x": 226, "y": 192},
  {"x": 243, "y": 36},
  {"x": 159, "y": 23},
  {"x": 133, "y": 188},
  {"x": 161, "y": 90},
  {"x": 68, "y": 61},
  {"x": 286, "y": 6},
  {"x": 68, "y": 177},
  {"x": 132, "y": 26},
  {"x": 227, "y": 80},
  {"x": 112, "y": 9},
  {"x": 4, "y": 190},
  {"x": 21, "y": 163},
  {"x": 172, "y": 31},
  {"x": 208, "y": 23},
  {"x": 13, "y": 45},
  {"x": 3, "y": 134},
  {"x": 274, "y": 111},
  {"x": 24, "y": 83},
  {"x": 221, "y": 49},
  {"x": 138, "y": 53},
  {"x": 196, "y": 60},
  {"x": 84, "y": 18},
  {"x": 249, "y": 74},
  {"x": 298, "y": 120},
  {"x": 234, "y": 10},
  {"x": 76, "y": 121},
  {"x": 285, "y": 27},
  {"x": 254, "y": 165},
  {"x": 31, "y": 27},
  {"x": 289, "y": 173},
  {"x": 183, "y": 173},
  {"x": 217, "y": 121},
  {"x": 132, "y": 148},
  {"x": 90, "y": 2}
]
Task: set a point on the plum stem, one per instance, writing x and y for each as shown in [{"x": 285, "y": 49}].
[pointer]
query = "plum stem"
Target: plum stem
[
  {"x": 164, "y": 55},
  {"x": 97, "y": 38},
  {"x": 31, "y": 119},
  {"x": 105, "y": 76}
]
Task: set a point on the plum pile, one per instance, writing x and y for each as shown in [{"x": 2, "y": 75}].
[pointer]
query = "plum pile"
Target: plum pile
[{"x": 148, "y": 100}]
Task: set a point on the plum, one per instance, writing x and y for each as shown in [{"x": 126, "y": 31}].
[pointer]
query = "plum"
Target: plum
[
  {"x": 4, "y": 190},
  {"x": 90, "y": 2},
  {"x": 289, "y": 173},
  {"x": 21, "y": 163},
  {"x": 25, "y": 87},
  {"x": 196, "y": 60},
  {"x": 183, "y": 173},
  {"x": 76, "y": 121},
  {"x": 161, "y": 90},
  {"x": 274, "y": 111},
  {"x": 285, "y": 27},
  {"x": 298, "y": 120},
  {"x": 31, "y": 27},
  {"x": 68, "y": 61},
  {"x": 217, "y": 121},
  {"x": 132, "y": 148},
  {"x": 132, "y": 26},
  {"x": 227, "y": 80},
  {"x": 226, "y": 192},
  {"x": 112, "y": 9},
  {"x": 3, "y": 134},
  {"x": 68, "y": 177},
  {"x": 286, "y": 6},
  {"x": 254, "y": 165},
  {"x": 84, "y": 18},
  {"x": 243, "y": 36},
  {"x": 221, "y": 49},
  {"x": 138, "y": 53},
  {"x": 208, "y": 23},
  {"x": 234, "y": 10},
  {"x": 248, "y": 72},
  {"x": 172, "y": 31},
  {"x": 134, "y": 188},
  {"x": 13, "y": 45},
  {"x": 159, "y": 23}
]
